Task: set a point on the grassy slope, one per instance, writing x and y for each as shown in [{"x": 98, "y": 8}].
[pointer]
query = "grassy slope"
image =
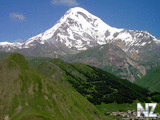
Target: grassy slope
[
  {"x": 75, "y": 73},
  {"x": 26, "y": 94},
  {"x": 151, "y": 80},
  {"x": 35, "y": 61},
  {"x": 95, "y": 84},
  {"x": 48, "y": 69}
]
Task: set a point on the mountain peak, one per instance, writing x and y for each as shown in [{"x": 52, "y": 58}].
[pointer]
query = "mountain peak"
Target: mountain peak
[
  {"x": 76, "y": 9},
  {"x": 76, "y": 28},
  {"x": 81, "y": 12}
]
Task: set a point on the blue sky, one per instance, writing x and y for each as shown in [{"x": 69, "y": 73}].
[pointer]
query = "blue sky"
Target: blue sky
[{"x": 22, "y": 19}]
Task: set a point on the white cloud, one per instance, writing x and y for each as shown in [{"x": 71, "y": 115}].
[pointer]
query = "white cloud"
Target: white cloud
[
  {"x": 65, "y": 2},
  {"x": 17, "y": 16}
]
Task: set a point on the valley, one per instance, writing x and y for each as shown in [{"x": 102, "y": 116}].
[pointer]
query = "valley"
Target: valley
[
  {"x": 46, "y": 79},
  {"x": 79, "y": 69}
]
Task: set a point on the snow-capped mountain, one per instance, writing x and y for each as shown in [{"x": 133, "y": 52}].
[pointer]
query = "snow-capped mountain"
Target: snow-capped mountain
[
  {"x": 79, "y": 30},
  {"x": 76, "y": 29},
  {"x": 7, "y": 46}
]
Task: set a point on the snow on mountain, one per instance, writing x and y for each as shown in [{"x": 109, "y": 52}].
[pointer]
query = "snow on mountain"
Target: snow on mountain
[
  {"x": 8, "y": 43},
  {"x": 5, "y": 44},
  {"x": 78, "y": 30}
]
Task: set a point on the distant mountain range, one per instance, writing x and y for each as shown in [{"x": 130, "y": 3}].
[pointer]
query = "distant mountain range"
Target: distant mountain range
[{"x": 78, "y": 30}]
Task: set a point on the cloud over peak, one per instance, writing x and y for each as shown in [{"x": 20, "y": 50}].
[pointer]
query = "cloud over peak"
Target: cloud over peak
[
  {"x": 17, "y": 16},
  {"x": 65, "y": 2}
]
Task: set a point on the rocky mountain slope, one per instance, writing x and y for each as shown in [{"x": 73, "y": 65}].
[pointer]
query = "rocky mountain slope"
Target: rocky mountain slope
[{"x": 110, "y": 58}]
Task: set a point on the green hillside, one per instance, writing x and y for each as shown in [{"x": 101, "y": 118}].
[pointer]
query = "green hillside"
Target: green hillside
[
  {"x": 35, "y": 61},
  {"x": 151, "y": 80},
  {"x": 27, "y": 94},
  {"x": 3, "y": 54},
  {"x": 95, "y": 84}
]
